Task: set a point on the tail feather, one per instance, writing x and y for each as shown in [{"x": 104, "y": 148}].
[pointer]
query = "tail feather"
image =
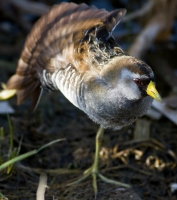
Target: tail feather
[
  {"x": 26, "y": 86},
  {"x": 19, "y": 82}
]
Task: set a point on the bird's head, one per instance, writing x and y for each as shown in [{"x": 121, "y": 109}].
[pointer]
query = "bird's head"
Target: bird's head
[{"x": 131, "y": 78}]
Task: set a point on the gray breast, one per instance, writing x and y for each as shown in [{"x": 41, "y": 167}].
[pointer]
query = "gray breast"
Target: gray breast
[{"x": 111, "y": 115}]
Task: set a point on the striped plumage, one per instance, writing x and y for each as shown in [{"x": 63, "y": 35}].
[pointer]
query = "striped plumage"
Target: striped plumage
[
  {"x": 71, "y": 49},
  {"x": 53, "y": 44}
]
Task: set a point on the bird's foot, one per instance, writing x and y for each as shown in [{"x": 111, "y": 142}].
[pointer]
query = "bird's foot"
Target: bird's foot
[{"x": 95, "y": 173}]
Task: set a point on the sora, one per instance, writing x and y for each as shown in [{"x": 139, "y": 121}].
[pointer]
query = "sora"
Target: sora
[{"x": 71, "y": 49}]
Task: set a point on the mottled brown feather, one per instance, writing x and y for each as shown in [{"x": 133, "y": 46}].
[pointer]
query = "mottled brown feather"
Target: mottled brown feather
[{"x": 59, "y": 32}]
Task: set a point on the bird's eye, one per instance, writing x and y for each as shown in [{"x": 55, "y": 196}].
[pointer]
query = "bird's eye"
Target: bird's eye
[{"x": 137, "y": 81}]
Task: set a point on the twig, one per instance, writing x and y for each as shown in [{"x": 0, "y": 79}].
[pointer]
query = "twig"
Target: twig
[
  {"x": 40, "y": 195},
  {"x": 162, "y": 18},
  {"x": 48, "y": 171},
  {"x": 141, "y": 12}
]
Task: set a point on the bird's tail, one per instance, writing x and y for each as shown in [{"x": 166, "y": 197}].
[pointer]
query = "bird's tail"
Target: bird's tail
[{"x": 25, "y": 85}]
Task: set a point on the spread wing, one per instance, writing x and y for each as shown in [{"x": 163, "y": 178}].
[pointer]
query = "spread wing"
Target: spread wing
[{"x": 54, "y": 42}]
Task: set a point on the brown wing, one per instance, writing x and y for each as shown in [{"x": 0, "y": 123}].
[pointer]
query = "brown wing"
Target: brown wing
[{"x": 52, "y": 42}]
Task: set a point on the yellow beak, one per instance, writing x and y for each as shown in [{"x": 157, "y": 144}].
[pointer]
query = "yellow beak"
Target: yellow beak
[{"x": 151, "y": 91}]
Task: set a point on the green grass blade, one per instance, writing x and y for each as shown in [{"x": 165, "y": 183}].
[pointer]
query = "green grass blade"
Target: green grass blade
[
  {"x": 28, "y": 154},
  {"x": 11, "y": 135}
]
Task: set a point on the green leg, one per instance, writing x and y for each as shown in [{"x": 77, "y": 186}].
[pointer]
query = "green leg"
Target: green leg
[
  {"x": 93, "y": 170},
  {"x": 94, "y": 167}
]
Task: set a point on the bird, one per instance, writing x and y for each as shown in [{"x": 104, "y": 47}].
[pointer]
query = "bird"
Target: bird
[{"x": 72, "y": 49}]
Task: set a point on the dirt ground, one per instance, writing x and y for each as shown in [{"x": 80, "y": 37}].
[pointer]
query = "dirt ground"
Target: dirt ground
[{"x": 148, "y": 165}]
